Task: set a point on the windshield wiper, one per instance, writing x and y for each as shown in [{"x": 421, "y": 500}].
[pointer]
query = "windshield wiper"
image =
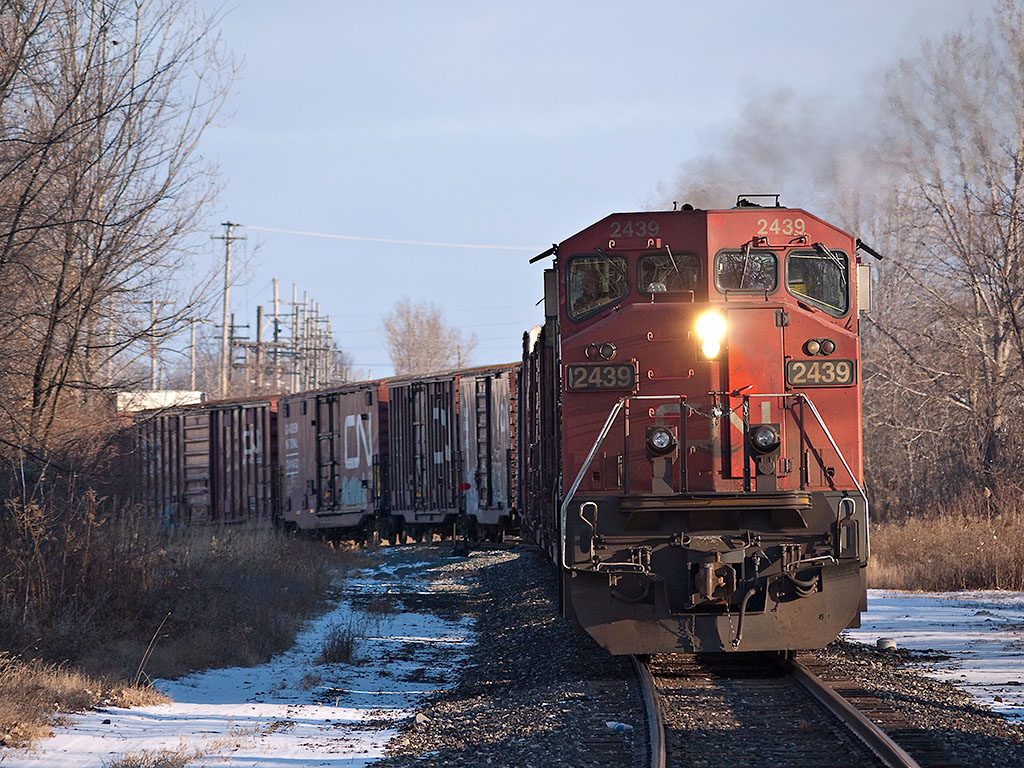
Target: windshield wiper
[{"x": 824, "y": 251}]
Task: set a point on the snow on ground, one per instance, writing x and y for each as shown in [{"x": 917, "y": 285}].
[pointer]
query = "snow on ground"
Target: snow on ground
[
  {"x": 291, "y": 711},
  {"x": 982, "y": 633}
]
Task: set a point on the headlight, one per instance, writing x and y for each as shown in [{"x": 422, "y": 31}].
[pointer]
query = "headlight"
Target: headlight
[
  {"x": 660, "y": 440},
  {"x": 711, "y": 333},
  {"x": 764, "y": 438}
]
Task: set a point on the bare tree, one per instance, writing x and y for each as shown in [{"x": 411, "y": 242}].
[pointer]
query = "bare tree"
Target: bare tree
[
  {"x": 418, "y": 339},
  {"x": 955, "y": 341},
  {"x": 102, "y": 105}
]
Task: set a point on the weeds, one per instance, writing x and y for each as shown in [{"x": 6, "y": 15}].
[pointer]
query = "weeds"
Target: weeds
[
  {"x": 157, "y": 758},
  {"x": 116, "y": 597},
  {"x": 948, "y": 552},
  {"x": 383, "y": 605},
  {"x": 310, "y": 680},
  {"x": 32, "y": 693},
  {"x": 85, "y": 588},
  {"x": 340, "y": 644}
]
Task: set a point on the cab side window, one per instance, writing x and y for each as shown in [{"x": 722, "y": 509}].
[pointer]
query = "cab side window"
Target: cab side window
[
  {"x": 595, "y": 282},
  {"x": 821, "y": 278},
  {"x": 665, "y": 272}
]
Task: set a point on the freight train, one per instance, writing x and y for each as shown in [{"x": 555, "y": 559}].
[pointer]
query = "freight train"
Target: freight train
[
  {"x": 682, "y": 437},
  {"x": 399, "y": 458}
]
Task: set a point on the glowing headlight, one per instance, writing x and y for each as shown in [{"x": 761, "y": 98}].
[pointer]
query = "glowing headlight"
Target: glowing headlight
[{"x": 711, "y": 333}]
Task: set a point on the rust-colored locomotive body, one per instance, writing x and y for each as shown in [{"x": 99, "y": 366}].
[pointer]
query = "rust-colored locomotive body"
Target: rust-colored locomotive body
[{"x": 699, "y": 372}]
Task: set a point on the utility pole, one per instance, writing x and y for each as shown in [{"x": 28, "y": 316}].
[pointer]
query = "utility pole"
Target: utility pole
[
  {"x": 192, "y": 355},
  {"x": 153, "y": 352},
  {"x": 296, "y": 335},
  {"x": 259, "y": 348},
  {"x": 277, "y": 339},
  {"x": 154, "y": 347},
  {"x": 225, "y": 342}
]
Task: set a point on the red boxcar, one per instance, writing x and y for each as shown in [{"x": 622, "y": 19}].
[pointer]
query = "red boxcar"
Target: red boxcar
[
  {"x": 333, "y": 449},
  {"x": 699, "y": 372}
]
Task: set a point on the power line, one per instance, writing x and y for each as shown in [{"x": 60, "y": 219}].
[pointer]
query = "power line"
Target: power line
[{"x": 393, "y": 241}]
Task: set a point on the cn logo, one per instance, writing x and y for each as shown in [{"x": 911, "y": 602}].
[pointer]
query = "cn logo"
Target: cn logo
[
  {"x": 251, "y": 442},
  {"x": 445, "y": 454},
  {"x": 358, "y": 446}
]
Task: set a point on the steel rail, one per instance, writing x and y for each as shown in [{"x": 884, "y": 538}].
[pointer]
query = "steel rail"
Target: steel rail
[
  {"x": 877, "y": 740},
  {"x": 655, "y": 716}
]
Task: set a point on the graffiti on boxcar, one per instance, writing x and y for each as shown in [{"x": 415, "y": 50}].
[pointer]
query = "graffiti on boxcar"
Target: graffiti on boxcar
[
  {"x": 353, "y": 492},
  {"x": 359, "y": 426}
]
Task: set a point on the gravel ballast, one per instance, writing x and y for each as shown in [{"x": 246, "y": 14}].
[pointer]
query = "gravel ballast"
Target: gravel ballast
[{"x": 534, "y": 692}]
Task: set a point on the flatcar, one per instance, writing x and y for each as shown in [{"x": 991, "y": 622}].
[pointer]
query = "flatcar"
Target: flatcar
[{"x": 690, "y": 431}]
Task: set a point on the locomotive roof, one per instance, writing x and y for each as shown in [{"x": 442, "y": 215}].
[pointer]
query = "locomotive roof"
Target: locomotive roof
[{"x": 742, "y": 210}]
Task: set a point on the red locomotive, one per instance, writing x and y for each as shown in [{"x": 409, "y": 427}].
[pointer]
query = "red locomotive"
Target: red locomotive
[{"x": 691, "y": 430}]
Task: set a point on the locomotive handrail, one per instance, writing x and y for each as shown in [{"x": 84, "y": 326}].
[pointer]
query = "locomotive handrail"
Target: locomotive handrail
[
  {"x": 828, "y": 434},
  {"x": 613, "y": 414}
]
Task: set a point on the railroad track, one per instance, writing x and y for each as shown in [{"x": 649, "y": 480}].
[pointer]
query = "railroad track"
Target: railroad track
[{"x": 762, "y": 710}]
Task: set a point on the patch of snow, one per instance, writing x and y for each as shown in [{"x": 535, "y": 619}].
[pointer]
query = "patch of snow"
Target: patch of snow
[
  {"x": 982, "y": 632},
  {"x": 290, "y": 711}
]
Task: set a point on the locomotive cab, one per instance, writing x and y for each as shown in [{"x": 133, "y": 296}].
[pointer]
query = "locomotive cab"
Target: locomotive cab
[{"x": 708, "y": 418}]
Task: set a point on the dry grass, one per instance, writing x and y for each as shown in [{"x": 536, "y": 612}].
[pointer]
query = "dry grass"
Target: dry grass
[
  {"x": 383, "y": 605},
  {"x": 84, "y": 589},
  {"x": 157, "y": 758},
  {"x": 32, "y": 694},
  {"x": 340, "y": 643},
  {"x": 949, "y": 552},
  {"x": 107, "y": 593}
]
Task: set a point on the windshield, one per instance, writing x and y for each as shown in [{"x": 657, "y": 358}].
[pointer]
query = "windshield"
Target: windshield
[
  {"x": 665, "y": 272},
  {"x": 821, "y": 277},
  {"x": 747, "y": 271},
  {"x": 595, "y": 282}
]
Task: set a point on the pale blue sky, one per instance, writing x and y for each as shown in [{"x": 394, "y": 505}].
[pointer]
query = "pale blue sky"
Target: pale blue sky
[{"x": 506, "y": 124}]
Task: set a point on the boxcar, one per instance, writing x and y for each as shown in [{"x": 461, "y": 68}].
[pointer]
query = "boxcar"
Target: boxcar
[
  {"x": 209, "y": 463},
  {"x": 333, "y": 449},
  {"x": 452, "y": 451}
]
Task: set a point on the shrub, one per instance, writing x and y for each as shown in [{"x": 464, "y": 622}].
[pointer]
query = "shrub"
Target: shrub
[
  {"x": 340, "y": 643},
  {"x": 98, "y": 589},
  {"x": 32, "y": 693}
]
